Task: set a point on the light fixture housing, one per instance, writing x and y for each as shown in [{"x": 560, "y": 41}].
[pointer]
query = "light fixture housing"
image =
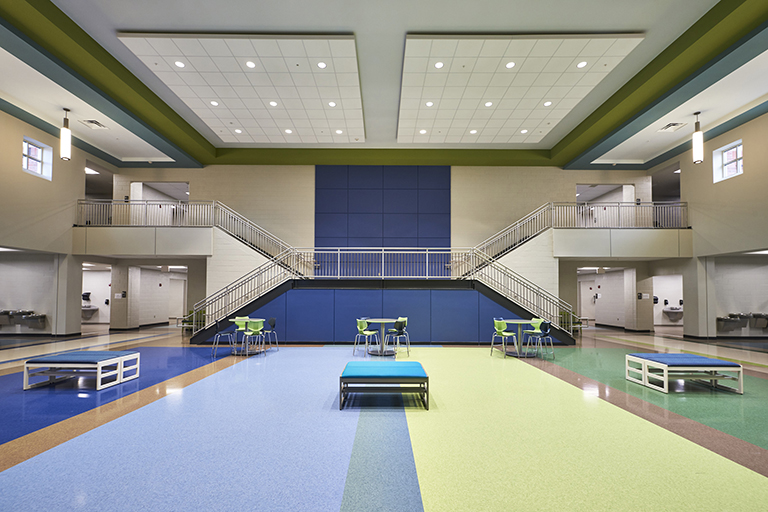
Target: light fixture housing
[
  {"x": 698, "y": 141},
  {"x": 65, "y": 139}
]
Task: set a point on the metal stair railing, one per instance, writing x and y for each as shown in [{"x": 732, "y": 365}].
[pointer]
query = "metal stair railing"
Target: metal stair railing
[
  {"x": 247, "y": 231},
  {"x": 246, "y": 289},
  {"x": 517, "y": 233}
]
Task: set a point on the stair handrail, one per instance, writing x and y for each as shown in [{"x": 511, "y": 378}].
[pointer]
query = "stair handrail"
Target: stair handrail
[
  {"x": 513, "y": 235},
  {"x": 241, "y": 227}
]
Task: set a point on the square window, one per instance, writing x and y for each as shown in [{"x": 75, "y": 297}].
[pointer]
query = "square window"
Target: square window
[
  {"x": 727, "y": 161},
  {"x": 36, "y": 158}
]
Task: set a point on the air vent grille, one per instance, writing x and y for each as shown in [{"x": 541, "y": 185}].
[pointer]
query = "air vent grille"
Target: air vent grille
[
  {"x": 671, "y": 127},
  {"x": 93, "y": 124}
]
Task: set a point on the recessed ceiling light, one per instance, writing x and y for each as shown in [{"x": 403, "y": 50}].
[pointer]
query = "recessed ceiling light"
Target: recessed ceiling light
[
  {"x": 88, "y": 265},
  {"x": 88, "y": 170},
  {"x": 581, "y": 64},
  {"x": 510, "y": 65},
  {"x": 547, "y": 103},
  {"x": 429, "y": 103},
  {"x": 250, "y": 64},
  {"x": 577, "y": 195},
  {"x": 272, "y": 103},
  {"x": 331, "y": 103},
  {"x": 215, "y": 103},
  {"x": 438, "y": 65},
  {"x": 422, "y": 132},
  {"x": 321, "y": 65},
  {"x": 676, "y": 172},
  {"x": 339, "y": 132},
  {"x": 523, "y": 131},
  {"x": 289, "y": 131},
  {"x": 488, "y": 103},
  {"x": 179, "y": 64},
  {"x": 473, "y": 132},
  {"x": 187, "y": 193},
  {"x": 238, "y": 130}
]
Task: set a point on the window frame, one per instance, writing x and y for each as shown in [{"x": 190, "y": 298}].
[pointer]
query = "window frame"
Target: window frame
[
  {"x": 45, "y": 161},
  {"x": 719, "y": 162}
]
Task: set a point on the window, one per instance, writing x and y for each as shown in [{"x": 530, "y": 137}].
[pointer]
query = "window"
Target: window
[
  {"x": 36, "y": 158},
  {"x": 727, "y": 161}
]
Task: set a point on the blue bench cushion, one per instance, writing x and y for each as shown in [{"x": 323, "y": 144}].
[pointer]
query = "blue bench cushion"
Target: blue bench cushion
[
  {"x": 83, "y": 356},
  {"x": 684, "y": 360},
  {"x": 379, "y": 369}
]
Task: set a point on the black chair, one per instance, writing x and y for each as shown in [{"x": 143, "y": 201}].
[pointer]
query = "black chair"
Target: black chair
[
  {"x": 399, "y": 332},
  {"x": 269, "y": 332},
  {"x": 541, "y": 337},
  {"x": 230, "y": 335}
]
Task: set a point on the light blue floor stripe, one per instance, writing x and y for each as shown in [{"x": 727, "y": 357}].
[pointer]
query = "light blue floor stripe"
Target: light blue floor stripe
[
  {"x": 382, "y": 472},
  {"x": 264, "y": 434}
]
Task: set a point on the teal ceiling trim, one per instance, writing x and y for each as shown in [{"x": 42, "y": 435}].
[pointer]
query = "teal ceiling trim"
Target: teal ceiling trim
[
  {"x": 23, "y": 48},
  {"x": 746, "y": 49}
]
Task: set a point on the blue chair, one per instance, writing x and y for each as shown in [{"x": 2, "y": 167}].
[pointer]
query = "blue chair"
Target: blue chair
[{"x": 542, "y": 334}]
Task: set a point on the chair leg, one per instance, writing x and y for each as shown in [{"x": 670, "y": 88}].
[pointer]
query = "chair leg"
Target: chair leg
[
  {"x": 276, "y": 342},
  {"x": 215, "y": 344}
]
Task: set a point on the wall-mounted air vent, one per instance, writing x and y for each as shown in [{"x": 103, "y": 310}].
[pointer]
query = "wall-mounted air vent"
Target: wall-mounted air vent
[
  {"x": 93, "y": 124},
  {"x": 671, "y": 127}
]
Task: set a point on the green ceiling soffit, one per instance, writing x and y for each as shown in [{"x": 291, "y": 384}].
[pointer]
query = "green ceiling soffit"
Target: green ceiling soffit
[
  {"x": 723, "y": 26},
  {"x": 49, "y": 28}
]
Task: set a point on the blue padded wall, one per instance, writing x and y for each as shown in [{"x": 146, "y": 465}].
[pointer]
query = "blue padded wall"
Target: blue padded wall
[
  {"x": 382, "y": 206},
  {"x": 319, "y": 315}
]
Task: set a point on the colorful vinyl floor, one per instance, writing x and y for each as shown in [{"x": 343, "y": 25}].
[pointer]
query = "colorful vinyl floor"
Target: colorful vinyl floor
[{"x": 501, "y": 434}]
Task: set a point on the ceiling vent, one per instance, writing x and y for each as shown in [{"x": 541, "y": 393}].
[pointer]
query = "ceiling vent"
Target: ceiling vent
[
  {"x": 671, "y": 127},
  {"x": 93, "y": 124}
]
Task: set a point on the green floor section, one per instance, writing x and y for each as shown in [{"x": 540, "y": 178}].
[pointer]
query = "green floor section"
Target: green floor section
[
  {"x": 743, "y": 416},
  {"x": 503, "y": 435}
]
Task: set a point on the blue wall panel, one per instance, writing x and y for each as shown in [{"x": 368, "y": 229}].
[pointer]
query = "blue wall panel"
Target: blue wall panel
[
  {"x": 310, "y": 315},
  {"x": 400, "y": 201},
  {"x": 488, "y": 310},
  {"x": 400, "y": 242},
  {"x": 331, "y": 176},
  {"x": 365, "y": 225},
  {"x": 434, "y": 176},
  {"x": 330, "y": 242},
  {"x": 330, "y": 225},
  {"x": 365, "y": 201},
  {"x": 415, "y": 304},
  {"x": 435, "y": 201},
  {"x": 454, "y": 315},
  {"x": 331, "y": 200},
  {"x": 274, "y": 308},
  {"x": 365, "y": 176},
  {"x": 400, "y": 177},
  {"x": 434, "y": 225},
  {"x": 351, "y": 305},
  {"x": 400, "y": 225}
]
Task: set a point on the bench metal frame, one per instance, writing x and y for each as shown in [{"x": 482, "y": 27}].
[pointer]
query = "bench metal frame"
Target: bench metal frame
[
  {"x": 656, "y": 375},
  {"x": 418, "y": 385},
  {"x": 108, "y": 372}
]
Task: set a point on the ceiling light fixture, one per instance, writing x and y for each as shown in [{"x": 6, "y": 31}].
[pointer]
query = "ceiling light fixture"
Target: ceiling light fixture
[
  {"x": 331, "y": 103},
  {"x": 581, "y": 64},
  {"x": 439, "y": 65},
  {"x": 321, "y": 65},
  {"x": 88, "y": 170},
  {"x": 510, "y": 65},
  {"x": 250, "y": 64},
  {"x": 429, "y": 103},
  {"x": 215, "y": 103},
  {"x": 547, "y": 103},
  {"x": 289, "y": 131},
  {"x": 179, "y": 64},
  {"x": 65, "y": 139},
  {"x": 422, "y": 132},
  {"x": 698, "y": 141},
  {"x": 677, "y": 171},
  {"x": 523, "y": 131},
  {"x": 473, "y": 132},
  {"x": 339, "y": 132},
  {"x": 488, "y": 103},
  {"x": 238, "y": 130},
  {"x": 272, "y": 103}
]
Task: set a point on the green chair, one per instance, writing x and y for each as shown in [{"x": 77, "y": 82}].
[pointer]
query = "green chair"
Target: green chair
[
  {"x": 242, "y": 326},
  {"x": 255, "y": 330},
  {"x": 501, "y": 331},
  {"x": 536, "y": 331},
  {"x": 362, "y": 330}
]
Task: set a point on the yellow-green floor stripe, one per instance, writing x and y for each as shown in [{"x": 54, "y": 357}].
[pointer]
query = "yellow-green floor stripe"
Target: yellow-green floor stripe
[{"x": 503, "y": 435}]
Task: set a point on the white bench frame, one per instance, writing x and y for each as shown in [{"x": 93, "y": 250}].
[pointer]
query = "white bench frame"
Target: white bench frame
[
  {"x": 116, "y": 367},
  {"x": 708, "y": 375}
]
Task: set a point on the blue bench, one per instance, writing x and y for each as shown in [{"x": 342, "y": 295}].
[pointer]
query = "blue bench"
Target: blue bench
[
  {"x": 655, "y": 370},
  {"x": 109, "y": 367},
  {"x": 384, "y": 377}
]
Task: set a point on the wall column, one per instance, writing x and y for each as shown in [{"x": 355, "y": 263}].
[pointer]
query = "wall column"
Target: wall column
[
  {"x": 69, "y": 290},
  {"x": 124, "y": 311},
  {"x": 699, "y": 293}
]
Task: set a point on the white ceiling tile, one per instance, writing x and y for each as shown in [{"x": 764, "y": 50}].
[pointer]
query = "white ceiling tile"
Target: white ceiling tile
[
  {"x": 546, "y": 79},
  {"x": 224, "y": 114},
  {"x": 240, "y": 47},
  {"x": 138, "y": 45},
  {"x": 494, "y": 123},
  {"x": 524, "y": 79},
  {"x": 427, "y": 114},
  {"x": 274, "y": 64},
  {"x": 520, "y": 114},
  {"x": 287, "y": 92},
  {"x": 458, "y": 80},
  {"x": 573, "y": 68},
  {"x": 495, "y": 93},
  {"x": 606, "y": 64},
  {"x": 441, "y": 123},
  {"x": 267, "y": 93},
  {"x": 622, "y": 46},
  {"x": 467, "y": 104},
  {"x": 227, "y": 64},
  {"x": 302, "y": 123},
  {"x": 215, "y": 47},
  {"x": 450, "y": 92},
  {"x": 280, "y": 116},
  {"x": 519, "y": 47},
  {"x": 578, "y": 92},
  {"x": 259, "y": 79},
  {"x": 295, "y": 115},
  {"x": 448, "y": 103},
  {"x": 407, "y": 123},
  {"x": 170, "y": 78},
  {"x": 194, "y": 103},
  {"x": 435, "y": 80},
  {"x": 329, "y": 93},
  {"x": 237, "y": 79},
  {"x": 515, "y": 92},
  {"x": 224, "y": 91},
  {"x": 415, "y": 65},
  {"x": 348, "y": 79},
  {"x": 317, "y": 48},
  {"x": 445, "y": 114},
  {"x": 545, "y": 47},
  {"x": 261, "y": 113},
  {"x": 568, "y": 79},
  {"x": 316, "y": 114},
  {"x": 469, "y": 47},
  {"x": 189, "y": 47},
  {"x": 461, "y": 122},
  {"x": 252, "y": 125},
  {"x": 233, "y": 103},
  {"x": 557, "y": 92},
  {"x": 352, "y": 104},
  {"x": 488, "y": 65},
  {"x": 413, "y": 79},
  {"x": 501, "y": 79},
  {"x": 480, "y": 79},
  {"x": 532, "y": 65},
  {"x": 157, "y": 64},
  {"x": 348, "y": 92},
  {"x": 474, "y": 92},
  {"x": 343, "y": 48},
  {"x": 344, "y": 64},
  {"x": 353, "y": 114},
  {"x": 303, "y": 80},
  {"x": 163, "y": 46},
  {"x": 204, "y": 91},
  {"x": 211, "y": 79},
  {"x": 484, "y": 139},
  {"x": 592, "y": 79},
  {"x": 204, "y": 113},
  {"x": 281, "y": 79},
  {"x": 508, "y": 104},
  {"x": 596, "y": 47},
  {"x": 513, "y": 124},
  {"x": 557, "y": 65},
  {"x": 325, "y": 139},
  {"x": 494, "y": 48},
  {"x": 501, "y": 114},
  {"x": 431, "y": 93},
  {"x": 537, "y": 92},
  {"x": 323, "y": 80},
  {"x": 567, "y": 103},
  {"x": 312, "y": 104},
  {"x": 570, "y": 47},
  {"x": 269, "y": 126},
  {"x": 443, "y": 47},
  {"x": 291, "y": 47},
  {"x": 417, "y": 47},
  {"x": 264, "y": 47},
  {"x": 241, "y": 114},
  {"x": 461, "y": 65},
  {"x": 453, "y": 139},
  {"x": 308, "y": 93},
  {"x": 319, "y": 122},
  {"x": 537, "y": 115},
  {"x": 484, "y": 114}
]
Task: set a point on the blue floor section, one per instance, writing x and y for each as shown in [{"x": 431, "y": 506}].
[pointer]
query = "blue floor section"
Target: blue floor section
[
  {"x": 27, "y": 411},
  {"x": 264, "y": 434}
]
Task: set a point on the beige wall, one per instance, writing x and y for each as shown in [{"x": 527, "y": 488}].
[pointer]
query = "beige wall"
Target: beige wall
[
  {"x": 280, "y": 199},
  {"x": 485, "y": 200}
]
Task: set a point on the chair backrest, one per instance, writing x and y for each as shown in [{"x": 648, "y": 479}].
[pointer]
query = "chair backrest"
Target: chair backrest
[
  {"x": 500, "y": 325},
  {"x": 361, "y": 325},
  {"x": 399, "y": 326},
  {"x": 544, "y": 327},
  {"x": 403, "y": 319},
  {"x": 536, "y": 323},
  {"x": 241, "y": 322},
  {"x": 255, "y": 325},
  {"x": 272, "y": 322}
]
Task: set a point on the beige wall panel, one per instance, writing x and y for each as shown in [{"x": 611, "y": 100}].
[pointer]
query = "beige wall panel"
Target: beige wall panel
[
  {"x": 576, "y": 243},
  {"x": 644, "y": 243},
  {"x": 121, "y": 241},
  {"x": 184, "y": 241},
  {"x": 686, "y": 243},
  {"x": 534, "y": 261},
  {"x": 79, "y": 236},
  {"x": 231, "y": 259}
]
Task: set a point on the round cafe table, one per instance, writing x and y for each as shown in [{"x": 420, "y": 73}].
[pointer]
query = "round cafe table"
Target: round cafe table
[{"x": 382, "y": 349}]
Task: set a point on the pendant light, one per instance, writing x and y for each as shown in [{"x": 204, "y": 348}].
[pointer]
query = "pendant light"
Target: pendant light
[
  {"x": 65, "y": 148},
  {"x": 698, "y": 141}
]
